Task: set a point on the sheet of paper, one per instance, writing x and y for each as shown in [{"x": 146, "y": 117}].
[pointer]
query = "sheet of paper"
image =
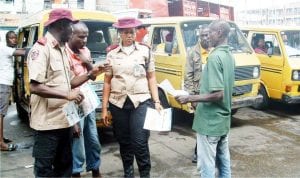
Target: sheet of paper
[
  {"x": 158, "y": 121},
  {"x": 91, "y": 100},
  {"x": 168, "y": 87},
  {"x": 72, "y": 113}
]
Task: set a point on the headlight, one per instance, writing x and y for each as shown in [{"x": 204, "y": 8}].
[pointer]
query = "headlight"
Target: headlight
[
  {"x": 255, "y": 72},
  {"x": 295, "y": 75}
]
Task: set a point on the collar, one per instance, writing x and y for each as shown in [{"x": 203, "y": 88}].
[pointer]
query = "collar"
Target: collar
[
  {"x": 204, "y": 51},
  {"x": 120, "y": 47},
  {"x": 51, "y": 40},
  {"x": 71, "y": 53},
  {"x": 221, "y": 47}
]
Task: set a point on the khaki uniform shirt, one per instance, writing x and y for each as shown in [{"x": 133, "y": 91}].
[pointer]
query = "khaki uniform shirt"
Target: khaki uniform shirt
[
  {"x": 48, "y": 64},
  {"x": 129, "y": 74},
  {"x": 193, "y": 69}
]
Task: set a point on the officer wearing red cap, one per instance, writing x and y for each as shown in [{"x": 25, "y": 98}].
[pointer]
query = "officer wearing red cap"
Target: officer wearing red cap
[
  {"x": 130, "y": 88},
  {"x": 50, "y": 85}
]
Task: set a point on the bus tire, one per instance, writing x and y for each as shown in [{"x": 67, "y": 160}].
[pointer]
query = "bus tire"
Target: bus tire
[{"x": 265, "y": 102}]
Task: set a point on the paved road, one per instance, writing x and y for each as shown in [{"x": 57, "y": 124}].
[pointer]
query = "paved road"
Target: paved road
[{"x": 262, "y": 144}]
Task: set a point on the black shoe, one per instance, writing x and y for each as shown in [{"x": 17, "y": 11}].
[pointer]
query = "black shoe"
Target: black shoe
[
  {"x": 194, "y": 159},
  {"x": 6, "y": 140},
  {"x": 96, "y": 173}
]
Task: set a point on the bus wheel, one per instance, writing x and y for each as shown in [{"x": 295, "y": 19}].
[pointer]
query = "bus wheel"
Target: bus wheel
[
  {"x": 233, "y": 111},
  {"x": 265, "y": 102},
  {"x": 22, "y": 113}
]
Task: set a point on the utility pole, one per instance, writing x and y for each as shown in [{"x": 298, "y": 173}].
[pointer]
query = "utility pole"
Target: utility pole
[{"x": 24, "y": 7}]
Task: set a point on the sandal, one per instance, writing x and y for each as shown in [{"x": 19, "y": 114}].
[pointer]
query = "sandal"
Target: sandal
[
  {"x": 6, "y": 140},
  {"x": 10, "y": 147}
]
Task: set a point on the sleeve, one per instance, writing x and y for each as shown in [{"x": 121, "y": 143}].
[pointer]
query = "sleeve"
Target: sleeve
[
  {"x": 215, "y": 74},
  {"x": 37, "y": 64},
  {"x": 72, "y": 75},
  {"x": 197, "y": 61},
  {"x": 150, "y": 61},
  {"x": 7, "y": 51},
  {"x": 189, "y": 73},
  {"x": 109, "y": 59},
  {"x": 10, "y": 51}
]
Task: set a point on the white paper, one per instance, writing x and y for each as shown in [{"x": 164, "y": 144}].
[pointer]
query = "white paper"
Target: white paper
[
  {"x": 168, "y": 87},
  {"x": 71, "y": 112},
  {"x": 91, "y": 100},
  {"x": 158, "y": 121}
]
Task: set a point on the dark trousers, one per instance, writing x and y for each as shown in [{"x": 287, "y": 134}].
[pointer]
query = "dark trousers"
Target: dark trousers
[
  {"x": 128, "y": 125},
  {"x": 52, "y": 152}
]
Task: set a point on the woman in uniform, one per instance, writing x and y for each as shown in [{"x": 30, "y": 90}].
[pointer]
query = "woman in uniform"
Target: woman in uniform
[{"x": 130, "y": 88}]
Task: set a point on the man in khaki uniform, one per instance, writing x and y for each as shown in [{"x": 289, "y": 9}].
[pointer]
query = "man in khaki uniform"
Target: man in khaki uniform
[
  {"x": 50, "y": 86},
  {"x": 196, "y": 58}
]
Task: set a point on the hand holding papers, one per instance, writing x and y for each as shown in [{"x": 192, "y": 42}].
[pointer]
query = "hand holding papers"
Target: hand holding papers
[
  {"x": 158, "y": 121},
  {"x": 91, "y": 100},
  {"x": 71, "y": 112},
  {"x": 167, "y": 86}
]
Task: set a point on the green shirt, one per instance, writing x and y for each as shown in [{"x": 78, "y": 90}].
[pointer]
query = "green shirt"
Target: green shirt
[{"x": 213, "y": 118}]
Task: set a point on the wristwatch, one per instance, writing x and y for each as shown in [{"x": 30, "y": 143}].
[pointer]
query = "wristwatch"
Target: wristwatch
[{"x": 90, "y": 76}]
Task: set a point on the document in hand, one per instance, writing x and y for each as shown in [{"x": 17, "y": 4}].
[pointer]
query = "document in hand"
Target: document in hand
[
  {"x": 91, "y": 100},
  {"x": 71, "y": 112},
  {"x": 167, "y": 86},
  {"x": 158, "y": 121}
]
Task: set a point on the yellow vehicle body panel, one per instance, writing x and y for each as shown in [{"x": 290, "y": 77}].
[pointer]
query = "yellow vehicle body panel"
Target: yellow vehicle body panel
[
  {"x": 278, "y": 65},
  {"x": 171, "y": 66}
]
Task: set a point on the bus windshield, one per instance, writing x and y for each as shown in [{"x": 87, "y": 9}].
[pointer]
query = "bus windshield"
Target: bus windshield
[
  {"x": 236, "y": 40},
  {"x": 99, "y": 38},
  {"x": 291, "y": 41}
]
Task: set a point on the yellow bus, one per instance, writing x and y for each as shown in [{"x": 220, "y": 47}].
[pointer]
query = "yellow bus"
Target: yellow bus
[
  {"x": 32, "y": 28},
  {"x": 172, "y": 38},
  {"x": 280, "y": 62}
]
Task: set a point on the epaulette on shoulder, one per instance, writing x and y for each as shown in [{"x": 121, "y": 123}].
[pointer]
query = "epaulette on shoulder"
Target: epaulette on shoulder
[
  {"x": 42, "y": 41},
  {"x": 111, "y": 47},
  {"x": 144, "y": 44}
]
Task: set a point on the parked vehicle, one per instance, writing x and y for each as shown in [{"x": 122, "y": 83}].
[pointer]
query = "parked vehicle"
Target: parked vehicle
[
  {"x": 280, "y": 63},
  {"x": 32, "y": 28},
  {"x": 172, "y": 38}
]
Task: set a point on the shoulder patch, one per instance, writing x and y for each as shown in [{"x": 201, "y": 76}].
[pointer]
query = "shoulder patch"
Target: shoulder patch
[
  {"x": 144, "y": 44},
  {"x": 42, "y": 41},
  {"x": 111, "y": 47},
  {"x": 34, "y": 54}
]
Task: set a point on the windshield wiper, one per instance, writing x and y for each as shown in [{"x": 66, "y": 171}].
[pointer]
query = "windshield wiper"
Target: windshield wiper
[
  {"x": 294, "y": 55},
  {"x": 239, "y": 50}
]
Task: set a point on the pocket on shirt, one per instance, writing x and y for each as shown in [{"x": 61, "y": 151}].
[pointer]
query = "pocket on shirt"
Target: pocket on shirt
[
  {"x": 141, "y": 86},
  {"x": 57, "y": 74},
  {"x": 56, "y": 103},
  {"x": 117, "y": 85}
]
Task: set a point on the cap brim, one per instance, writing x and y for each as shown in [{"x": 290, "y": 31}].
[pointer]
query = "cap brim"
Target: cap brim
[
  {"x": 54, "y": 20},
  {"x": 116, "y": 25}
]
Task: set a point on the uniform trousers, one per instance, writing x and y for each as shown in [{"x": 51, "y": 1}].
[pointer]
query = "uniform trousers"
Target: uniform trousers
[
  {"x": 128, "y": 125},
  {"x": 53, "y": 153}
]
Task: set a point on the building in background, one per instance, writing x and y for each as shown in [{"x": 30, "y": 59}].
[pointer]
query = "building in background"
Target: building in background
[
  {"x": 200, "y": 8},
  {"x": 269, "y": 12},
  {"x": 285, "y": 14}
]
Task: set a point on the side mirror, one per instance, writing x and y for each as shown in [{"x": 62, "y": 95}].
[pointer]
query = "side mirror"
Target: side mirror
[{"x": 270, "y": 52}]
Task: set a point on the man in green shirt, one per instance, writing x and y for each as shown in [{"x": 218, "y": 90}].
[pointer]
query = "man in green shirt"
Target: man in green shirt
[{"x": 213, "y": 113}]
